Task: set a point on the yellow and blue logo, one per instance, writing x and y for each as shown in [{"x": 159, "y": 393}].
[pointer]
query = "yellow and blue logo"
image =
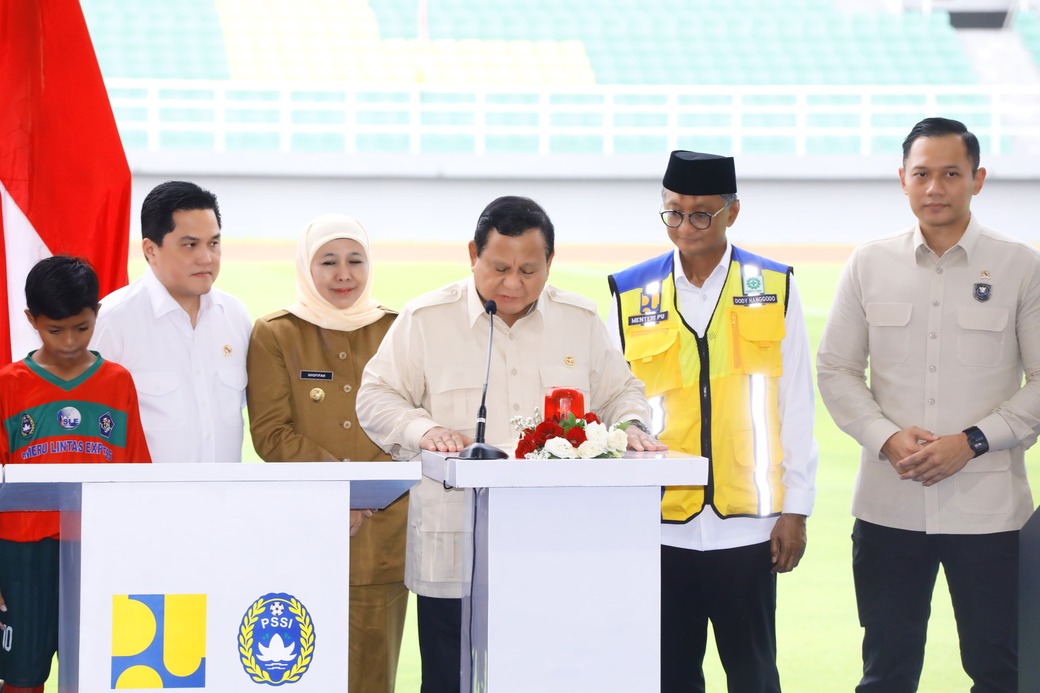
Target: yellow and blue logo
[
  {"x": 650, "y": 298},
  {"x": 650, "y": 312},
  {"x": 159, "y": 641}
]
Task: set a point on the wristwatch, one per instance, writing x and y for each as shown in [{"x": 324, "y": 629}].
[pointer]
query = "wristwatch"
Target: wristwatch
[
  {"x": 640, "y": 425},
  {"x": 977, "y": 440}
]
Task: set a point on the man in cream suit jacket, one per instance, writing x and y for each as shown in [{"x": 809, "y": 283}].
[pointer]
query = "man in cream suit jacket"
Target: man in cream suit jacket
[{"x": 948, "y": 315}]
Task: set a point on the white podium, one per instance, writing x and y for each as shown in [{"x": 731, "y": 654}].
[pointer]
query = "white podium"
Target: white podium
[
  {"x": 566, "y": 590},
  {"x": 219, "y": 577}
]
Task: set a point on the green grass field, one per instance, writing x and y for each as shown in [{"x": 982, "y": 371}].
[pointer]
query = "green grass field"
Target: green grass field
[{"x": 818, "y": 631}]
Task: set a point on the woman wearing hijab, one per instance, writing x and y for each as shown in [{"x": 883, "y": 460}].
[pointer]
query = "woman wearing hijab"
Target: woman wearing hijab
[{"x": 305, "y": 365}]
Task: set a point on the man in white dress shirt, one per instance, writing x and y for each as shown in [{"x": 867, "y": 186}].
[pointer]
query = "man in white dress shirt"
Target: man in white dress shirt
[
  {"x": 718, "y": 335},
  {"x": 183, "y": 341}
]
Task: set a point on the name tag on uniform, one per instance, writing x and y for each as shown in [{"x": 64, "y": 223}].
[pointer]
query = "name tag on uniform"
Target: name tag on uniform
[
  {"x": 315, "y": 375},
  {"x": 754, "y": 300},
  {"x": 647, "y": 318}
]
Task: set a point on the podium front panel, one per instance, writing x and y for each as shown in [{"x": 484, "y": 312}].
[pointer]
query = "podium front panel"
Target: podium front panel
[
  {"x": 566, "y": 590},
  {"x": 213, "y": 586}
]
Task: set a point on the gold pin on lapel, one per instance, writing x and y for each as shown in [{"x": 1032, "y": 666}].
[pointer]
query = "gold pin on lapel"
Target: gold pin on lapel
[
  {"x": 317, "y": 394},
  {"x": 985, "y": 275},
  {"x": 227, "y": 350},
  {"x": 568, "y": 360}
]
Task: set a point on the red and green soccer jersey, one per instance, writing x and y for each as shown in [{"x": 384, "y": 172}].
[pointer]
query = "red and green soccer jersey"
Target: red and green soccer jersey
[{"x": 47, "y": 420}]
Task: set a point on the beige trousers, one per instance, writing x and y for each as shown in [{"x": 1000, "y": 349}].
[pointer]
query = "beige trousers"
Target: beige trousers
[{"x": 376, "y": 627}]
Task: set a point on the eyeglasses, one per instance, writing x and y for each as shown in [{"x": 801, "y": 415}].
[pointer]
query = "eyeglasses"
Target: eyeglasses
[{"x": 698, "y": 220}]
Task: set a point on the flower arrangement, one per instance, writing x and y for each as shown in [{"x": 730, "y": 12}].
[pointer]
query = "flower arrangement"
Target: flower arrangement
[{"x": 568, "y": 438}]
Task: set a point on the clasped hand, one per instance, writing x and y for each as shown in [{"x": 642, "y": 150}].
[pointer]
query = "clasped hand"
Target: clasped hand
[{"x": 920, "y": 455}]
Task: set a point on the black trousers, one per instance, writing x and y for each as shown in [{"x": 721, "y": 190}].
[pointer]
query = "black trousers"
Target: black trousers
[
  {"x": 895, "y": 573},
  {"x": 439, "y": 624},
  {"x": 735, "y": 590}
]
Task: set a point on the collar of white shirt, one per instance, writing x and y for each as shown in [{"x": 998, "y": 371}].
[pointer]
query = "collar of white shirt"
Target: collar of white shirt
[
  {"x": 715, "y": 280},
  {"x": 163, "y": 303}
]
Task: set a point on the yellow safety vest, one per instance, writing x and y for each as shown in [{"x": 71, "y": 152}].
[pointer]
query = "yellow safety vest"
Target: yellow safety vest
[{"x": 718, "y": 391}]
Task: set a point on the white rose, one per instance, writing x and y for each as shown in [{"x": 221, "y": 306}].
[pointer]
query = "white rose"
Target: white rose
[
  {"x": 617, "y": 440},
  {"x": 596, "y": 434},
  {"x": 560, "y": 447},
  {"x": 589, "y": 449}
]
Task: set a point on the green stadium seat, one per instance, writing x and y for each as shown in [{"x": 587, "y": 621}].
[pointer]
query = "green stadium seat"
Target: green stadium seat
[{"x": 522, "y": 43}]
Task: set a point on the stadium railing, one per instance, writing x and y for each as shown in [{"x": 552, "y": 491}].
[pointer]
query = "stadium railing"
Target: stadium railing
[{"x": 223, "y": 116}]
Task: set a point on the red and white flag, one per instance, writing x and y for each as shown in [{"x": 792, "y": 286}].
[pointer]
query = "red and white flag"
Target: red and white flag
[{"x": 64, "y": 180}]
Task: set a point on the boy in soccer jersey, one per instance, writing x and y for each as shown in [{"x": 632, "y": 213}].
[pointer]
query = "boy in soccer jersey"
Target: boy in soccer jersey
[{"x": 61, "y": 404}]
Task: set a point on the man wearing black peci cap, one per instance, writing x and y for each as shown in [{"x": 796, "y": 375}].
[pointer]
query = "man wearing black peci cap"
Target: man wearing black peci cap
[{"x": 718, "y": 336}]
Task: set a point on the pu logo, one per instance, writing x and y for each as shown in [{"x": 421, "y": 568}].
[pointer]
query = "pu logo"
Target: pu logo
[
  {"x": 159, "y": 641},
  {"x": 650, "y": 298}
]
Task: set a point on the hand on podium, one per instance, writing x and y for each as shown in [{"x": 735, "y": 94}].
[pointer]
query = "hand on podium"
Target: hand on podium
[
  {"x": 640, "y": 441},
  {"x": 441, "y": 439},
  {"x": 357, "y": 517}
]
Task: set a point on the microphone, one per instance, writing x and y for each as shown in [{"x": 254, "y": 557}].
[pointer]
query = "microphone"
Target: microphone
[{"x": 479, "y": 450}]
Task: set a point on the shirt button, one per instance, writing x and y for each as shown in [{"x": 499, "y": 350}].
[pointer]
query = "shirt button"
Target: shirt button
[
  {"x": 931, "y": 369},
  {"x": 512, "y": 336},
  {"x": 938, "y": 270},
  {"x": 935, "y": 302},
  {"x": 346, "y": 424},
  {"x": 347, "y": 388},
  {"x": 516, "y": 406},
  {"x": 704, "y": 297},
  {"x": 931, "y": 401},
  {"x": 514, "y": 371},
  {"x": 342, "y": 356},
  {"x": 932, "y": 335}
]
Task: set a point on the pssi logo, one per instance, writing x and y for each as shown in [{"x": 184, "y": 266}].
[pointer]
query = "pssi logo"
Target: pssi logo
[
  {"x": 158, "y": 641},
  {"x": 276, "y": 639},
  {"x": 28, "y": 425}
]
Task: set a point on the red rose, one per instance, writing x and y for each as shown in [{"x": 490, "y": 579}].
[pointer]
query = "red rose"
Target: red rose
[
  {"x": 525, "y": 446},
  {"x": 576, "y": 436},
  {"x": 549, "y": 429},
  {"x": 592, "y": 418}
]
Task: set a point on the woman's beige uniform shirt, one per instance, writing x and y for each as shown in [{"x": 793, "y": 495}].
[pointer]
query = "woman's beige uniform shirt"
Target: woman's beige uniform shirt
[{"x": 291, "y": 422}]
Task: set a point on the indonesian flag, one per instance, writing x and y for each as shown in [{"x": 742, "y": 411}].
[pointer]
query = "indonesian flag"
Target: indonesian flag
[{"x": 64, "y": 180}]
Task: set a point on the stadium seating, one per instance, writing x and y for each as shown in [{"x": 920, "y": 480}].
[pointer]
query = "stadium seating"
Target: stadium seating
[
  {"x": 160, "y": 39},
  {"x": 1028, "y": 26},
  {"x": 527, "y": 42},
  {"x": 359, "y": 75}
]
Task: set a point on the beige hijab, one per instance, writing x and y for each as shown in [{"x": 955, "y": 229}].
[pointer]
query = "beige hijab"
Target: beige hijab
[{"x": 310, "y": 305}]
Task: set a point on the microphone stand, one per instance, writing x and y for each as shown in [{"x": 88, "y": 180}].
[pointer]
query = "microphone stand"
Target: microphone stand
[{"x": 478, "y": 449}]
